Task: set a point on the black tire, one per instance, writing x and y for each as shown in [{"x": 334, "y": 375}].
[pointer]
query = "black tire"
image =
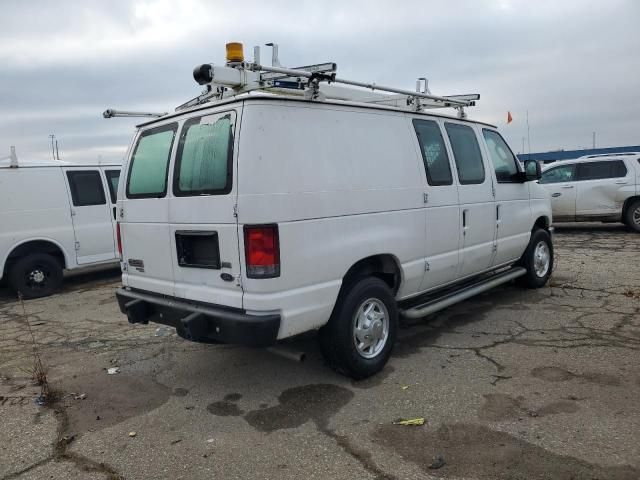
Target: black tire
[
  {"x": 632, "y": 216},
  {"x": 533, "y": 278},
  {"x": 337, "y": 337},
  {"x": 34, "y": 276}
]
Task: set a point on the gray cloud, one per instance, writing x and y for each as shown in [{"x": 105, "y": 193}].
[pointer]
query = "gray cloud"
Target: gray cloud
[{"x": 572, "y": 65}]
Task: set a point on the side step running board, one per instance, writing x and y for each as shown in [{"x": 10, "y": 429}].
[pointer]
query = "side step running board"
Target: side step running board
[{"x": 449, "y": 299}]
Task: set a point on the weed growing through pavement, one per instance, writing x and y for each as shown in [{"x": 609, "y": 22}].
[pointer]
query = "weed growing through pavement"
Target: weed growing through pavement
[{"x": 37, "y": 371}]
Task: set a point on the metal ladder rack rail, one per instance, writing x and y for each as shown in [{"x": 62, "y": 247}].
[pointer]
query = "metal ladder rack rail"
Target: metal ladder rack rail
[{"x": 314, "y": 82}]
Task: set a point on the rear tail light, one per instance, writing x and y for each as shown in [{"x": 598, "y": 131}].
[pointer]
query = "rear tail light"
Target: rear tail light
[
  {"x": 262, "y": 251},
  {"x": 119, "y": 238}
]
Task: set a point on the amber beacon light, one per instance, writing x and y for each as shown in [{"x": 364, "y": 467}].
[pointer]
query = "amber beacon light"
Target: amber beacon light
[{"x": 234, "y": 52}]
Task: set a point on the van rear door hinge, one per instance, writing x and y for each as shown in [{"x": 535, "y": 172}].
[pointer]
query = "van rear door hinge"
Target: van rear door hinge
[
  {"x": 77, "y": 246},
  {"x": 427, "y": 267},
  {"x": 235, "y": 210}
]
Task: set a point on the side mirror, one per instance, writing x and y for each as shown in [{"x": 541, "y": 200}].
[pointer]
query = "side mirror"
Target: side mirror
[{"x": 532, "y": 170}]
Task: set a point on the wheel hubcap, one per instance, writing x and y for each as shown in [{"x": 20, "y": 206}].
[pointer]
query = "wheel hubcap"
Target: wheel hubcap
[
  {"x": 636, "y": 216},
  {"x": 541, "y": 259},
  {"x": 370, "y": 327},
  {"x": 37, "y": 278}
]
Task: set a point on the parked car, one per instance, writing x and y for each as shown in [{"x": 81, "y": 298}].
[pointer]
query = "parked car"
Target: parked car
[
  {"x": 256, "y": 218},
  {"x": 55, "y": 216},
  {"x": 602, "y": 188}
]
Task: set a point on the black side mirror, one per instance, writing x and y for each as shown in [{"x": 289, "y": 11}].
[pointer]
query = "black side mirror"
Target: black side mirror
[{"x": 532, "y": 170}]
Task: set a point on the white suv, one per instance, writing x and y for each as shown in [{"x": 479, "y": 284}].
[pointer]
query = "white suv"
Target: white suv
[
  {"x": 595, "y": 188},
  {"x": 260, "y": 217}
]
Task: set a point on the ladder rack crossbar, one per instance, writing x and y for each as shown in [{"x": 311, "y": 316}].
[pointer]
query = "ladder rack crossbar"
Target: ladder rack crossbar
[{"x": 370, "y": 86}]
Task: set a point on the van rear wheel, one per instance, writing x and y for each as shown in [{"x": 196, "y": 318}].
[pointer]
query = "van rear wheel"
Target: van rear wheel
[
  {"x": 34, "y": 276},
  {"x": 632, "y": 216},
  {"x": 358, "y": 339}
]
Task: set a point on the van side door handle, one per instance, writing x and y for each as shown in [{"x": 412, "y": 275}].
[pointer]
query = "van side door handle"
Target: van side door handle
[
  {"x": 557, "y": 194},
  {"x": 464, "y": 221},
  {"x": 567, "y": 186},
  {"x": 621, "y": 182}
]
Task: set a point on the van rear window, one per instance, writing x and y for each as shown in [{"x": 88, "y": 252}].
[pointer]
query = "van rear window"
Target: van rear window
[
  {"x": 204, "y": 157},
  {"x": 150, "y": 163}
]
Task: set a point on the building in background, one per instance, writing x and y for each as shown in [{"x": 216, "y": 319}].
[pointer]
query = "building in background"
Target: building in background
[{"x": 549, "y": 157}]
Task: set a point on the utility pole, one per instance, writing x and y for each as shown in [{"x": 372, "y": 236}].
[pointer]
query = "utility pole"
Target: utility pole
[
  {"x": 57, "y": 153},
  {"x": 53, "y": 152},
  {"x": 594, "y": 140}
]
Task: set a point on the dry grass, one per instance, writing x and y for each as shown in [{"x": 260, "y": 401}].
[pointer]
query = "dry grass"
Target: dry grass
[{"x": 37, "y": 371}]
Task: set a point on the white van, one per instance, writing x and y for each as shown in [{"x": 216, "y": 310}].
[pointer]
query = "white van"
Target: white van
[
  {"x": 55, "y": 216},
  {"x": 602, "y": 188},
  {"x": 259, "y": 217}
]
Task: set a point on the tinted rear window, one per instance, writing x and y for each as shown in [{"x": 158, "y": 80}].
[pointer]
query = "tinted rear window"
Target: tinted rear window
[
  {"x": 204, "y": 157},
  {"x": 601, "y": 170},
  {"x": 86, "y": 188},
  {"x": 466, "y": 153},
  {"x": 434, "y": 153},
  {"x": 113, "y": 177},
  {"x": 150, "y": 163}
]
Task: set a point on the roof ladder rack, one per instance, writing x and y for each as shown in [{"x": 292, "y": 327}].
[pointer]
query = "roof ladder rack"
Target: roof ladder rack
[
  {"x": 313, "y": 82},
  {"x": 12, "y": 157}
]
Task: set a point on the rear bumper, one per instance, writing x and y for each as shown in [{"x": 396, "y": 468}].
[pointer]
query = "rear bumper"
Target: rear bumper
[{"x": 199, "y": 322}]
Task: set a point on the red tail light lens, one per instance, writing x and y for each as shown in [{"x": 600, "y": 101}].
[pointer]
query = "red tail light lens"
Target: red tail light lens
[
  {"x": 262, "y": 251},
  {"x": 119, "y": 238}
]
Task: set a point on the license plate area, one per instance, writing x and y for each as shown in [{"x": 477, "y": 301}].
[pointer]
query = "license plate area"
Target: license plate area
[{"x": 198, "y": 249}]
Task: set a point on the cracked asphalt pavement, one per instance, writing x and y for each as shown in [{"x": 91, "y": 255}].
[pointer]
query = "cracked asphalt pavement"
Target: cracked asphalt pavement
[{"x": 513, "y": 384}]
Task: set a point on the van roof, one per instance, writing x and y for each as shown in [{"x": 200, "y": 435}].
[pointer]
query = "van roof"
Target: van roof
[
  {"x": 265, "y": 96},
  {"x": 59, "y": 163}
]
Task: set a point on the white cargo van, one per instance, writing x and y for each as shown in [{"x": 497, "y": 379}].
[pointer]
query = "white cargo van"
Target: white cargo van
[
  {"x": 55, "y": 216},
  {"x": 603, "y": 188},
  {"x": 258, "y": 217}
]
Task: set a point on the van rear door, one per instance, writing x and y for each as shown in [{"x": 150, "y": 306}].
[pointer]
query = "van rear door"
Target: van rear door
[
  {"x": 144, "y": 212},
  {"x": 203, "y": 225}
]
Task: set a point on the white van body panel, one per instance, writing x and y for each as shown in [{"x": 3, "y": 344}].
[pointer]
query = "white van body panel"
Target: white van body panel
[
  {"x": 343, "y": 183},
  {"x": 36, "y": 205},
  {"x": 314, "y": 185}
]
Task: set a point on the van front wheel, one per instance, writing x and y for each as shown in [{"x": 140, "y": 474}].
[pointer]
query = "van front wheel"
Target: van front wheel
[
  {"x": 36, "y": 275},
  {"x": 537, "y": 259},
  {"x": 358, "y": 339}
]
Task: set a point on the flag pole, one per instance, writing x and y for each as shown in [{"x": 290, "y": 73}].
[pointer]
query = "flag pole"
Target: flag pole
[{"x": 528, "y": 134}]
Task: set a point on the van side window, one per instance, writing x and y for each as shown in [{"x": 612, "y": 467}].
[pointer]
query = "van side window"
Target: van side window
[
  {"x": 466, "y": 153},
  {"x": 204, "y": 157},
  {"x": 560, "y": 174},
  {"x": 86, "y": 188},
  {"x": 503, "y": 159},
  {"x": 113, "y": 176},
  {"x": 434, "y": 153},
  {"x": 600, "y": 170},
  {"x": 150, "y": 163}
]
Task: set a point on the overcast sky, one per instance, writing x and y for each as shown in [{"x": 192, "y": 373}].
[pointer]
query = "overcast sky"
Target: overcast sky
[{"x": 574, "y": 65}]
